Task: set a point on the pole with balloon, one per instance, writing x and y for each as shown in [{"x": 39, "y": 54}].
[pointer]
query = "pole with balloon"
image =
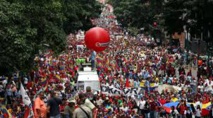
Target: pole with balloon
[{"x": 96, "y": 39}]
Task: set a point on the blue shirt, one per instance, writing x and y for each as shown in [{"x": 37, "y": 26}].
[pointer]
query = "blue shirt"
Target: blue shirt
[
  {"x": 93, "y": 55},
  {"x": 9, "y": 92},
  {"x": 147, "y": 84}
]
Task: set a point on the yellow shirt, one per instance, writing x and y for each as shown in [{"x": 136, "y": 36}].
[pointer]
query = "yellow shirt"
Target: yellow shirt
[{"x": 174, "y": 99}]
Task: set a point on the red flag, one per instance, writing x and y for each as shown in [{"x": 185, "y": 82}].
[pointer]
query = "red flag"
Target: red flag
[
  {"x": 95, "y": 113},
  {"x": 205, "y": 112},
  {"x": 127, "y": 84},
  {"x": 27, "y": 112}
]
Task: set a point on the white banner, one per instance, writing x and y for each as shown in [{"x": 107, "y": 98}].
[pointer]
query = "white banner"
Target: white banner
[
  {"x": 25, "y": 98},
  {"x": 169, "y": 88},
  {"x": 111, "y": 90},
  {"x": 132, "y": 91}
]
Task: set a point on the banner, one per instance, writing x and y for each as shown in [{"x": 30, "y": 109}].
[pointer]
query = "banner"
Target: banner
[
  {"x": 111, "y": 90},
  {"x": 169, "y": 88},
  {"x": 25, "y": 98},
  {"x": 132, "y": 91}
]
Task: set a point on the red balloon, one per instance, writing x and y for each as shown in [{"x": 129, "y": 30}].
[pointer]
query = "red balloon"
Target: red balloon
[{"x": 97, "y": 39}]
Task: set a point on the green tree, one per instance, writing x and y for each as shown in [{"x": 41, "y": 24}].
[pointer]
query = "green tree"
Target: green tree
[
  {"x": 15, "y": 33},
  {"x": 28, "y": 25},
  {"x": 78, "y": 14},
  {"x": 137, "y": 13},
  {"x": 172, "y": 15},
  {"x": 196, "y": 15}
]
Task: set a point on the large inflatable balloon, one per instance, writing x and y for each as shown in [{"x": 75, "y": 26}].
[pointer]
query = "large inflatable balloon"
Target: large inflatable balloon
[{"x": 97, "y": 39}]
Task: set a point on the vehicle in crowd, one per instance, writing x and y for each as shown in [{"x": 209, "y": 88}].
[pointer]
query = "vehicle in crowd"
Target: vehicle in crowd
[{"x": 87, "y": 77}]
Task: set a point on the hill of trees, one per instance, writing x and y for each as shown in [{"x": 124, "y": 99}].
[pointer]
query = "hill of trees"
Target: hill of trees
[{"x": 27, "y": 26}]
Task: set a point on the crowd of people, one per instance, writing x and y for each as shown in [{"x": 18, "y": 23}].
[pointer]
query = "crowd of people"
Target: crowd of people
[
  {"x": 128, "y": 62},
  {"x": 53, "y": 84}
]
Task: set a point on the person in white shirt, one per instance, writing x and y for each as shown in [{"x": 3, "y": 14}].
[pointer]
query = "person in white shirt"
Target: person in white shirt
[
  {"x": 4, "y": 82},
  {"x": 124, "y": 107},
  {"x": 25, "y": 81},
  {"x": 142, "y": 106},
  {"x": 198, "y": 112},
  {"x": 99, "y": 101}
]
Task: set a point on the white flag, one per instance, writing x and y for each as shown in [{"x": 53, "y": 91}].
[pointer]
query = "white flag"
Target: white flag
[{"x": 25, "y": 98}]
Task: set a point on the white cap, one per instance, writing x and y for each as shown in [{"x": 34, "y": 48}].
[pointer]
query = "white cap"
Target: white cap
[{"x": 89, "y": 104}]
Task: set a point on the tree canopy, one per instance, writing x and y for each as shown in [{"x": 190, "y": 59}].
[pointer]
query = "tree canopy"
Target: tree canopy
[
  {"x": 196, "y": 15},
  {"x": 28, "y": 26},
  {"x": 169, "y": 15},
  {"x": 137, "y": 13}
]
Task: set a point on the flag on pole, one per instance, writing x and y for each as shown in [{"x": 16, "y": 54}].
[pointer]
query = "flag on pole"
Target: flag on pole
[
  {"x": 5, "y": 112},
  {"x": 26, "y": 100},
  {"x": 44, "y": 88},
  {"x": 127, "y": 84},
  {"x": 28, "y": 113},
  {"x": 25, "y": 97}
]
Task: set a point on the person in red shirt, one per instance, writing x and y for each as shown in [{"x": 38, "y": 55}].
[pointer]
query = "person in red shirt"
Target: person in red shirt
[
  {"x": 153, "y": 107},
  {"x": 181, "y": 108},
  {"x": 205, "y": 99},
  {"x": 162, "y": 100}
]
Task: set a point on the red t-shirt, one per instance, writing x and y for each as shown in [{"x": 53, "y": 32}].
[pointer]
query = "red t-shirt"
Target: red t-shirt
[
  {"x": 153, "y": 106},
  {"x": 182, "y": 109},
  {"x": 162, "y": 101}
]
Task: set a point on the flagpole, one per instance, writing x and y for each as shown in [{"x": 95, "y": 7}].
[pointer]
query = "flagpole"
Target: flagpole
[{"x": 26, "y": 100}]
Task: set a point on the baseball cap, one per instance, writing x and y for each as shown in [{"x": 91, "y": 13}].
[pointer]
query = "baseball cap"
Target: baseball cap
[{"x": 71, "y": 101}]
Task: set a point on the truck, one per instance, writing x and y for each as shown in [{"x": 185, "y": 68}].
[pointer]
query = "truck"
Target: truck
[{"x": 87, "y": 77}]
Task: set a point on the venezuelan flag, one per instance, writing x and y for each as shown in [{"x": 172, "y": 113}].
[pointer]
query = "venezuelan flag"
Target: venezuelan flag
[
  {"x": 57, "y": 76},
  {"x": 205, "y": 107},
  {"x": 5, "y": 112},
  {"x": 174, "y": 99},
  {"x": 43, "y": 82},
  {"x": 107, "y": 61},
  {"x": 99, "y": 59},
  {"x": 152, "y": 86}
]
